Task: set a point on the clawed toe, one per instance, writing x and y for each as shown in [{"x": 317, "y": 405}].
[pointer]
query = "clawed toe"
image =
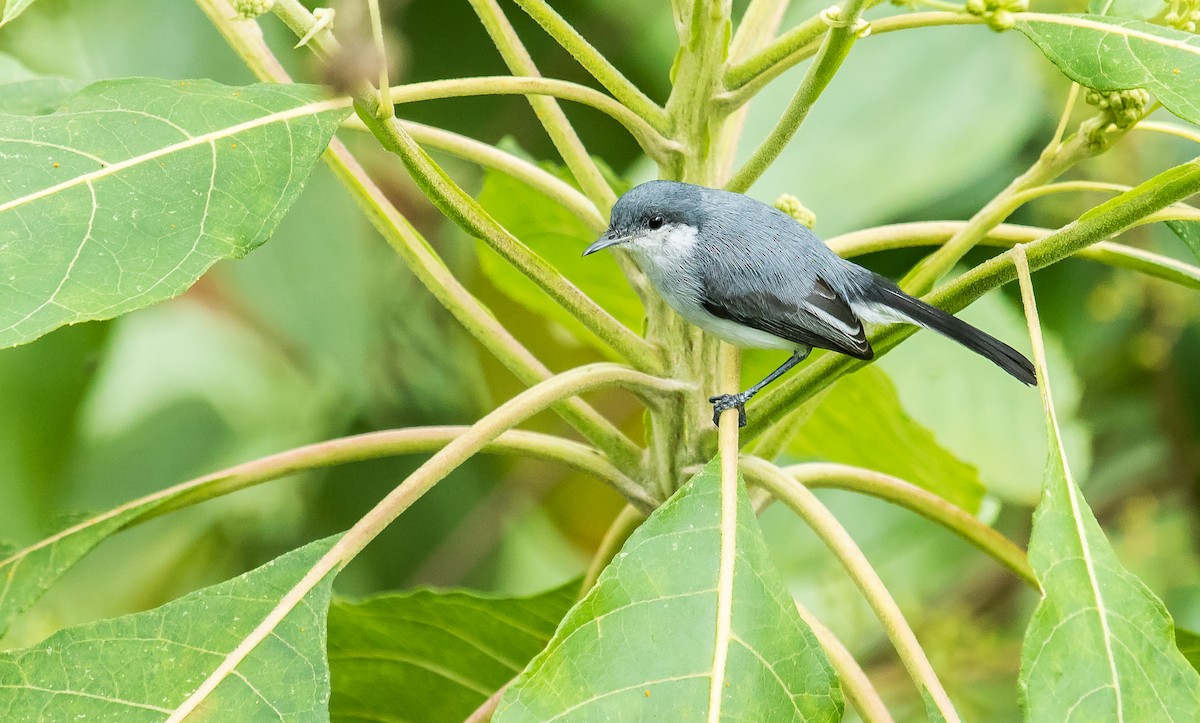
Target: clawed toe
[{"x": 723, "y": 403}]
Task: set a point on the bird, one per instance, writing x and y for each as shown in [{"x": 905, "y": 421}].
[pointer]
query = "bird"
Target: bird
[{"x": 757, "y": 278}]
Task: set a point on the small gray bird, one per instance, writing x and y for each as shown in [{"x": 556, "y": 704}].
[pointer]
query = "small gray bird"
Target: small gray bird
[{"x": 755, "y": 277}]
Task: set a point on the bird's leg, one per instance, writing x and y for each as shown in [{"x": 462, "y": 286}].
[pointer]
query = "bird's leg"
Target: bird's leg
[{"x": 725, "y": 402}]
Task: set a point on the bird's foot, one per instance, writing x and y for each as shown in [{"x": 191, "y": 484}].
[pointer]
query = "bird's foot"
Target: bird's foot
[{"x": 724, "y": 402}]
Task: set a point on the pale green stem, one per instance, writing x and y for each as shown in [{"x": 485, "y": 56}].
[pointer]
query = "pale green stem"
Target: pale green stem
[
  {"x": 1053, "y": 162},
  {"x": 506, "y": 416},
  {"x": 623, "y": 525},
  {"x": 1170, "y": 129},
  {"x": 489, "y": 156},
  {"x": 816, "y": 475},
  {"x": 758, "y": 25},
  {"x": 808, "y": 31},
  {"x": 585, "y": 170},
  {"x": 595, "y": 63},
  {"x": 790, "y": 56},
  {"x": 561, "y": 133},
  {"x": 860, "y": 693},
  {"x": 829, "y": 58},
  {"x": 1101, "y": 222},
  {"x": 372, "y": 445},
  {"x": 1061, "y": 129},
  {"x": 933, "y": 233},
  {"x": 385, "y": 89},
  {"x": 246, "y": 39},
  {"x": 652, "y": 142},
  {"x": 822, "y": 522},
  {"x": 457, "y": 205}
]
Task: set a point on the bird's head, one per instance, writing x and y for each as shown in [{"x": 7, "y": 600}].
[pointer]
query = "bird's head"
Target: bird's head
[{"x": 654, "y": 219}]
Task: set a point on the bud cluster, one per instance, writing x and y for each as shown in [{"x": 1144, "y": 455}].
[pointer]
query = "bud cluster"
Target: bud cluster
[{"x": 999, "y": 14}]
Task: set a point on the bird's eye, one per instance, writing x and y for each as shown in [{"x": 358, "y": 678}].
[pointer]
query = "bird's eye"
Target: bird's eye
[{"x": 656, "y": 222}]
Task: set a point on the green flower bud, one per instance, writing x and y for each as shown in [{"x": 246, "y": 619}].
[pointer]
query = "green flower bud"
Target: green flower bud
[
  {"x": 791, "y": 206},
  {"x": 252, "y": 8},
  {"x": 976, "y": 7},
  {"x": 1001, "y": 20}
]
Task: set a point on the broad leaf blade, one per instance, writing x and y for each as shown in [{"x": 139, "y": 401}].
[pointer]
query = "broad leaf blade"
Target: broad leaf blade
[
  {"x": 862, "y": 422},
  {"x": 1114, "y": 54},
  {"x": 131, "y": 191},
  {"x": 641, "y": 645},
  {"x": 140, "y": 667},
  {"x": 1100, "y": 645},
  {"x": 434, "y": 656}
]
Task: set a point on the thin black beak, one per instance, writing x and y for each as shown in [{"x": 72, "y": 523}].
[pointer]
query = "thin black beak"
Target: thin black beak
[{"x": 605, "y": 241}]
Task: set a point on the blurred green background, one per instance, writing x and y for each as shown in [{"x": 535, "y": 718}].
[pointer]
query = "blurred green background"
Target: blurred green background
[{"x": 323, "y": 333}]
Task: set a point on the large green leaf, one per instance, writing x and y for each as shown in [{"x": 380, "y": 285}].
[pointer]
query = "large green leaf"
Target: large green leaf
[
  {"x": 1113, "y": 54},
  {"x": 23, "y": 92},
  {"x": 434, "y": 656},
  {"x": 861, "y": 422},
  {"x": 141, "y": 667},
  {"x": 643, "y": 644},
  {"x": 131, "y": 191},
  {"x": 558, "y": 236},
  {"x": 1101, "y": 645}
]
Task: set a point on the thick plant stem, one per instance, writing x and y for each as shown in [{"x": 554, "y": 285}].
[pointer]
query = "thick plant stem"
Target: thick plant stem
[
  {"x": 825, "y": 525},
  {"x": 740, "y": 73},
  {"x": 860, "y": 694},
  {"x": 505, "y": 417},
  {"x": 833, "y": 51},
  {"x": 594, "y": 62},
  {"x": 246, "y": 39},
  {"x": 626, "y": 521},
  {"x": 816, "y": 475},
  {"x": 1099, "y": 223},
  {"x": 561, "y": 133}
]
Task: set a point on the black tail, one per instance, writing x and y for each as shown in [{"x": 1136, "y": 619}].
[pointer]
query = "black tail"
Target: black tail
[{"x": 984, "y": 344}]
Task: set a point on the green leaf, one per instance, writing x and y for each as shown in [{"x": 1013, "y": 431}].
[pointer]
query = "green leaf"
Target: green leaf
[
  {"x": 861, "y": 422},
  {"x": 23, "y": 92},
  {"x": 1100, "y": 645},
  {"x": 1189, "y": 233},
  {"x": 1134, "y": 9},
  {"x": 559, "y": 237},
  {"x": 1188, "y": 644},
  {"x": 431, "y": 655},
  {"x": 641, "y": 645},
  {"x": 1113, "y": 54},
  {"x": 142, "y": 666},
  {"x": 131, "y": 191}
]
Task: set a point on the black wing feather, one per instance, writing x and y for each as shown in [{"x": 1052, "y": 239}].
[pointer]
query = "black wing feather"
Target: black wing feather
[{"x": 822, "y": 319}]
